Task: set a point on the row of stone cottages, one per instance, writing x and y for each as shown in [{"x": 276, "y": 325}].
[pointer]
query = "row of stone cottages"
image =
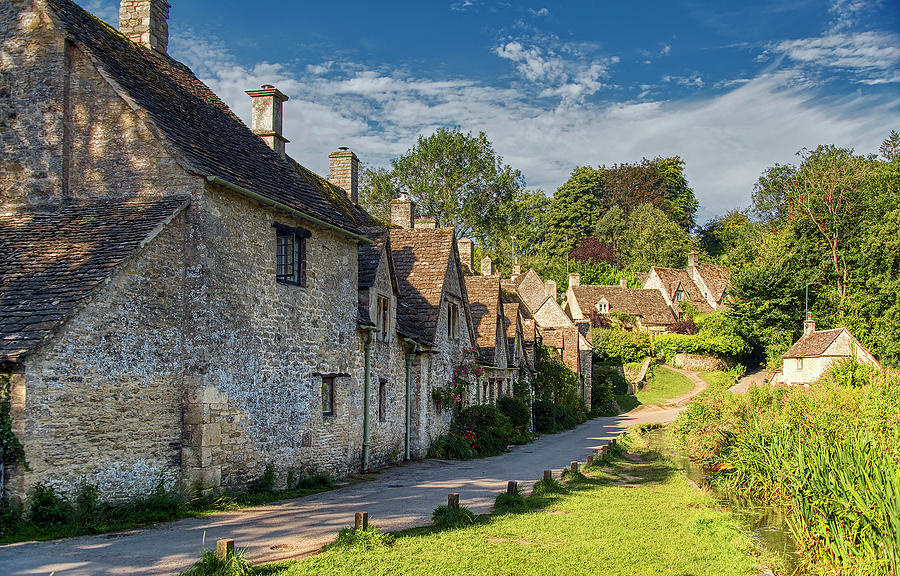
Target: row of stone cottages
[{"x": 182, "y": 303}]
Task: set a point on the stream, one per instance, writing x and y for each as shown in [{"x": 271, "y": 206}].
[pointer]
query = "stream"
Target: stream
[{"x": 764, "y": 522}]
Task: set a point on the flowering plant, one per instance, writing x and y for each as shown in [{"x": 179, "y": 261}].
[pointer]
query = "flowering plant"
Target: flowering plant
[{"x": 464, "y": 373}]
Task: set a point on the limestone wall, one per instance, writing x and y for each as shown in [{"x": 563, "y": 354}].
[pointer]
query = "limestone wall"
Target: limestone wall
[
  {"x": 103, "y": 400},
  {"x": 699, "y": 363}
]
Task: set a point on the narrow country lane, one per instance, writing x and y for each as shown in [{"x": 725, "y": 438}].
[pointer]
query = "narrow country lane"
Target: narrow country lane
[{"x": 400, "y": 497}]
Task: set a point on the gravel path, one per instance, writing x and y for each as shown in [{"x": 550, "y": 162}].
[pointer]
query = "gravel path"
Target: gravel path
[{"x": 399, "y": 497}]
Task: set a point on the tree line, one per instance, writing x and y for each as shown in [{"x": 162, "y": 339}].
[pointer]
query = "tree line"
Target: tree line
[{"x": 827, "y": 225}]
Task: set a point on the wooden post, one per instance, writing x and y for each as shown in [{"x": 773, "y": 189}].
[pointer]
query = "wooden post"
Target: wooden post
[
  {"x": 362, "y": 521},
  {"x": 453, "y": 501},
  {"x": 224, "y": 548},
  {"x": 589, "y": 460},
  {"x": 548, "y": 475},
  {"x": 511, "y": 487},
  {"x": 574, "y": 466}
]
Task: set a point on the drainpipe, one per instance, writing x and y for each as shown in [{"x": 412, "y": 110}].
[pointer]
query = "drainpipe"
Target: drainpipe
[
  {"x": 367, "y": 346},
  {"x": 410, "y": 357}
]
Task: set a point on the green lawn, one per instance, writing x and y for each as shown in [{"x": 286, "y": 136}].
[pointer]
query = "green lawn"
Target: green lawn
[
  {"x": 663, "y": 385},
  {"x": 658, "y": 523},
  {"x": 718, "y": 379}
]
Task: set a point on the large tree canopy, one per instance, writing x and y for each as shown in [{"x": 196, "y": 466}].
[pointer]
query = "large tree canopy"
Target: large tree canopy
[{"x": 453, "y": 176}]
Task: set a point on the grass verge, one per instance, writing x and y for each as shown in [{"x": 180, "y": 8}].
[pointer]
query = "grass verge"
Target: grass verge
[
  {"x": 665, "y": 384},
  {"x": 634, "y": 513}
]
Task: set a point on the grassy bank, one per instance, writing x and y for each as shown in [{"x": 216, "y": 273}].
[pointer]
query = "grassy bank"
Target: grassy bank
[
  {"x": 830, "y": 452},
  {"x": 633, "y": 514},
  {"x": 664, "y": 384}
]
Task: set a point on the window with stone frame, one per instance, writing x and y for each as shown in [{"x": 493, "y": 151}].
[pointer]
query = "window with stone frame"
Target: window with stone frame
[
  {"x": 327, "y": 395},
  {"x": 383, "y": 320},
  {"x": 452, "y": 321},
  {"x": 679, "y": 295},
  {"x": 290, "y": 254},
  {"x": 382, "y": 400}
]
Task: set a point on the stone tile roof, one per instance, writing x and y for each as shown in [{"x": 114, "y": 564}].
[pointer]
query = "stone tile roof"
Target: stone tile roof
[
  {"x": 52, "y": 258},
  {"x": 716, "y": 277},
  {"x": 673, "y": 277},
  {"x": 648, "y": 304},
  {"x": 813, "y": 344},
  {"x": 421, "y": 259},
  {"x": 511, "y": 316},
  {"x": 208, "y": 138},
  {"x": 370, "y": 255},
  {"x": 484, "y": 297}
]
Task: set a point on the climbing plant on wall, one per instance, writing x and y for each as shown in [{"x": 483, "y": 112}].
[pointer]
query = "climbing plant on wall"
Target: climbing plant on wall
[
  {"x": 465, "y": 373},
  {"x": 11, "y": 450}
]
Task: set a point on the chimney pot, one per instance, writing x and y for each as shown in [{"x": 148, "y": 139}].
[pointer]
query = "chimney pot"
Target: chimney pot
[
  {"x": 145, "y": 22},
  {"x": 809, "y": 326},
  {"x": 516, "y": 268},
  {"x": 550, "y": 287},
  {"x": 403, "y": 212},
  {"x": 574, "y": 279},
  {"x": 487, "y": 266},
  {"x": 267, "y": 116},
  {"x": 426, "y": 223},
  {"x": 467, "y": 254},
  {"x": 344, "y": 172},
  {"x": 623, "y": 283},
  {"x": 693, "y": 259}
]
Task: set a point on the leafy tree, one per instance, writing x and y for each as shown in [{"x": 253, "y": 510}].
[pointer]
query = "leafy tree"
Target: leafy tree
[
  {"x": 770, "y": 193},
  {"x": 644, "y": 237},
  {"x": 575, "y": 209},
  {"x": 890, "y": 148},
  {"x": 376, "y": 191},
  {"x": 731, "y": 239},
  {"x": 453, "y": 176}
]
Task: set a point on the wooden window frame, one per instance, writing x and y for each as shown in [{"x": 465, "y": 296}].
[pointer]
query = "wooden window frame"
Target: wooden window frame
[
  {"x": 328, "y": 395},
  {"x": 290, "y": 254}
]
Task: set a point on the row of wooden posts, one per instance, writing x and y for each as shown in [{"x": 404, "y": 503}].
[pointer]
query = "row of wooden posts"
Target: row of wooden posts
[{"x": 225, "y": 546}]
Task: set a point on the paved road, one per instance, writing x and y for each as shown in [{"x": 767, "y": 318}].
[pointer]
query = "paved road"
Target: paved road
[{"x": 400, "y": 497}]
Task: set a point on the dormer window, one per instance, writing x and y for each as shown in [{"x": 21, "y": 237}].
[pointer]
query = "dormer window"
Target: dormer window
[
  {"x": 290, "y": 255},
  {"x": 603, "y": 307},
  {"x": 679, "y": 295}
]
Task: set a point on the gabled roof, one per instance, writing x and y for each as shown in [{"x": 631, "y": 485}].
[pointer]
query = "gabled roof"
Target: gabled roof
[
  {"x": 511, "y": 315},
  {"x": 674, "y": 278},
  {"x": 484, "y": 299},
  {"x": 813, "y": 344},
  {"x": 421, "y": 261},
  {"x": 716, "y": 277},
  {"x": 648, "y": 304},
  {"x": 52, "y": 258},
  {"x": 532, "y": 291},
  {"x": 208, "y": 139}
]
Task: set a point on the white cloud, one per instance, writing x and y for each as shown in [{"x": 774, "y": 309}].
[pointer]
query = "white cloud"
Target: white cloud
[
  {"x": 665, "y": 50},
  {"x": 726, "y": 139},
  {"x": 543, "y": 12},
  {"x": 570, "y": 76},
  {"x": 873, "y": 56},
  {"x": 106, "y": 10}
]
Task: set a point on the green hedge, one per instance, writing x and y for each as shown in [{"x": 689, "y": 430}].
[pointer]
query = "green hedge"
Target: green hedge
[
  {"x": 620, "y": 346},
  {"x": 718, "y": 336}
]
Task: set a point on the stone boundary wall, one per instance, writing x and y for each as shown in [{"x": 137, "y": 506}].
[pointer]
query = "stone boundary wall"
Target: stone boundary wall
[{"x": 699, "y": 363}]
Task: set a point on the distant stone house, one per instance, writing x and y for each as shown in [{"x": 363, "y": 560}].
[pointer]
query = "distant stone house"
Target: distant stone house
[
  {"x": 651, "y": 312},
  {"x": 704, "y": 286},
  {"x": 180, "y": 302},
  {"x": 491, "y": 325},
  {"x": 553, "y": 327},
  {"x": 817, "y": 350},
  {"x": 433, "y": 313}
]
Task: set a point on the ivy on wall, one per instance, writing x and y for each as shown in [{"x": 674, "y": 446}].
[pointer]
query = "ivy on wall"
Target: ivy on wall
[{"x": 11, "y": 450}]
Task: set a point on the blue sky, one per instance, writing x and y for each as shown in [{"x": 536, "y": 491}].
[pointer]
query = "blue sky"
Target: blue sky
[{"x": 731, "y": 87}]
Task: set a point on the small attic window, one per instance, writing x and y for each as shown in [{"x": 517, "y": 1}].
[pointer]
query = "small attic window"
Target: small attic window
[
  {"x": 679, "y": 295},
  {"x": 290, "y": 255},
  {"x": 452, "y": 321}
]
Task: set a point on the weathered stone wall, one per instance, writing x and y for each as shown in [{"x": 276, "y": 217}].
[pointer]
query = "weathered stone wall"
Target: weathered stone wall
[
  {"x": 699, "y": 363},
  {"x": 258, "y": 349},
  {"x": 103, "y": 400},
  {"x": 64, "y": 132},
  {"x": 387, "y": 436}
]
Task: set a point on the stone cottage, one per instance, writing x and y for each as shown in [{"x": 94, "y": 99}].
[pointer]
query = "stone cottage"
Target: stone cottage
[
  {"x": 433, "y": 313},
  {"x": 651, "y": 312},
  {"x": 704, "y": 286},
  {"x": 181, "y": 303},
  {"x": 553, "y": 327},
  {"x": 492, "y": 326},
  {"x": 817, "y": 350}
]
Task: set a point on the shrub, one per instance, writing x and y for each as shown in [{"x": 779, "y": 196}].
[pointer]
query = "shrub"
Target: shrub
[
  {"x": 47, "y": 507},
  {"x": 544, "y": 487},
  {"x": 10, "y": 517},
  {"x": 369, "y": 538},
  {"x": 86, "y": 503},
  {"x": 604, "y": 381},
  {"x": 266, "y": 482},
  {"x": 685, "y": 326},
  {"x": 554, "y": 381},
  {"x": 718, "y": 336},
  {"x": 551, "y": 418},
  {"x": 620, "y": 346},
  {"x": 515, "y": 409},
  {"x": 211, "y": 565},
  {"x": 446, "y": 517},
  {"x": 492, "y": 428},
  {"x": 314, "y": 481},
  {"x": 451, "y": 447}
]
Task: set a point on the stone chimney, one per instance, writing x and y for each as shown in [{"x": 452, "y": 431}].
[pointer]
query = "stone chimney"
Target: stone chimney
[
  {"x": 145, "y": 22},
  {"x": 344, "y": 172},
  {"x": 623, "y": 283},
  {"x": 426, "y": 223},
  {"x": 550, "y": 288},
  {"x": 467, "y": 254},
  {"x": 516, "y": 268},
  {"x": 267, "y": 104},
  {"x": 403, "y": 212},
  {"x": 810, "y": 325},
  {"x": 574, "y": 279},
  {"x": 693, "y": 259},
  {"x": 487, "y": 266}
]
